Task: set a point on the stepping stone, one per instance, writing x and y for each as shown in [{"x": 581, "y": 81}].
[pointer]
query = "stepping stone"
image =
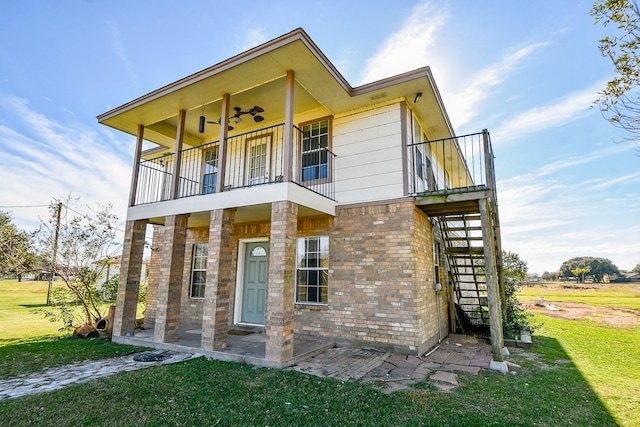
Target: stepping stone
[
  {"x": 447, "y": 378},
  {"x": 391, "y": 387}
]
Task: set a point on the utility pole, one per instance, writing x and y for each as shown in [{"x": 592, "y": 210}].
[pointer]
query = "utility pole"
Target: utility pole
[{"x": 54, "y": 256}]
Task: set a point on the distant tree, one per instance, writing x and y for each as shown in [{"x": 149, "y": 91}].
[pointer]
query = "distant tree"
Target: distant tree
[
  {"x": 597, "y": 268},
  {"x": 636, "y": 269},
  {"x": 18, "y": 256},
  {"x": 619, "y": 101},
  {"x": 84, "y": 245},
  {"x": 549, "y": 277},
  {"x": 579, "y": 273}
]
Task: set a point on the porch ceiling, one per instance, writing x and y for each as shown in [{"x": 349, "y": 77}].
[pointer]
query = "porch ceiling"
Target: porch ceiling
[{"x": 257, "y": 77}]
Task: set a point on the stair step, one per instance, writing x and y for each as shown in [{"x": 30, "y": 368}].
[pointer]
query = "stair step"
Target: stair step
[
  {"x": 464, "y": 238},
  {"x": 465, "y": 250},
  {"x": 456, "y": 229}
]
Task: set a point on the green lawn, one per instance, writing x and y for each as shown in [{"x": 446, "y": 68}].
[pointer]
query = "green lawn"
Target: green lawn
[
  {"x": 616, "y": 296},
  {"x": 18, "y": 322},
  {"x": 29, "y": 342},
  {"x": 580, "y": 373},
  {"x": 608, "y": 358}
]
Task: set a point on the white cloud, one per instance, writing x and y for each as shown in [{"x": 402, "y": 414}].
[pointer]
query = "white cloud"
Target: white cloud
[
  {"x": 464, "y": 105},
  {"x": 410, "y": 47},
  {"x": 571, "y": 107},
  {"x": 121, "y": 52},
  {"x": 582, "y": 158},
  {"x": 629, "y": 178},
  {"x": 43, "y": 159},
  {"x": 252, "y": 38},
  {"x": 547, "y": 221}
]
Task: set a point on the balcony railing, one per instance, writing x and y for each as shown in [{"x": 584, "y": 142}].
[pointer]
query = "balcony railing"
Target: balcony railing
[
  {"x": 253, "y": 158},
  {"x": 452, "y": 165}
]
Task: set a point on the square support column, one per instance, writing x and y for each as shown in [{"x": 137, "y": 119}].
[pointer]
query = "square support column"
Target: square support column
[
  {"x": 124, "y": 321},
  {"x": 170, "y": 284},
  {"x": 280, "y": 287},
  {"x": 220, "y": 268},
  {"x": 493, "y": 287}
]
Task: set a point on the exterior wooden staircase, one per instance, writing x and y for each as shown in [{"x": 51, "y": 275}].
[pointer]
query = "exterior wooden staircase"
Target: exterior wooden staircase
[
  {"x": 464, "y": 242},
  {"x": 464, "y": 204}
]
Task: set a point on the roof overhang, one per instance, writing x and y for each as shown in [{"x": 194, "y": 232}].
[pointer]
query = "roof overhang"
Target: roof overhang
[{"x": 258, "y": 77}]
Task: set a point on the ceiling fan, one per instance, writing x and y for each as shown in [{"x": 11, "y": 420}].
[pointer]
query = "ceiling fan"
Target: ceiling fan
[{"x": 254, "y": 112}]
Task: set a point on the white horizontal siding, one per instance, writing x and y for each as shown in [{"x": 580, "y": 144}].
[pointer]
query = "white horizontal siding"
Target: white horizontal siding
[{"x": 368, "y": 146}]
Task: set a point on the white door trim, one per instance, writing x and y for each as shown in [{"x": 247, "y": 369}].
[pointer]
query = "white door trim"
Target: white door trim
[{"x": 242, "y": 248}]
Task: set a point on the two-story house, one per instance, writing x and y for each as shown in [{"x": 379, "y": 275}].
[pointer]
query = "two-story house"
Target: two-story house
[{"x": 285, "y": 201}]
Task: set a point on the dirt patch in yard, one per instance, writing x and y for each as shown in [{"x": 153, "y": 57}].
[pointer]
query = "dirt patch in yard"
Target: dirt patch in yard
[{"x": 618, "y": 317}]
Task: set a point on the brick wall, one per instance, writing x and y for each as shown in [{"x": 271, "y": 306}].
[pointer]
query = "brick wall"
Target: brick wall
[
  {"x": 153, "y": 278},
  {"x": 191, "y": 308},
  {"x": 380, "y": 279}
]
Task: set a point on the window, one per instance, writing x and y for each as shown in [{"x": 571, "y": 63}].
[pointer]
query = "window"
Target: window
[
  {"x": 315, "y": 142},
  {"x": 436, "y": 264},
  {"x": 210, "y": 171},
  {"x": 199, "y": 270},
  {"x": 312, "y": 273},
  {"x": 419, "y": 163}
]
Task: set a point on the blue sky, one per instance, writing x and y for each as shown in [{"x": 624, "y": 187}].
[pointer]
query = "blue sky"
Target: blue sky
[{"x": 527, "y": 71}]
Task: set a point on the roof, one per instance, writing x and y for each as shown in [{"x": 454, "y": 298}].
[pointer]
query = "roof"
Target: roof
[{"x": 257, "y": 77}]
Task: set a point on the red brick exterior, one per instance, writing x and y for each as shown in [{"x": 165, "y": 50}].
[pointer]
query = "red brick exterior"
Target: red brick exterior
[{"x": 381, "y": 278}]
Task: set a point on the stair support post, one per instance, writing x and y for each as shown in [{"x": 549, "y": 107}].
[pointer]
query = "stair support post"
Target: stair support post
[{"x": 493, "y": 291}]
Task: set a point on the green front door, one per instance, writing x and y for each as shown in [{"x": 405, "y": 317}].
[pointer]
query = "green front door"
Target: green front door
[{"x": 254, "y": 290}]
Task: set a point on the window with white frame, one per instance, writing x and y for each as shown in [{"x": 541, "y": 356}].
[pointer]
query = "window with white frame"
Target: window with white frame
[
  {"x": 199, "y": 270},
  {"x": 210, "y": 170},
  {"x": 314, "y": 158},
  {"x": 312, "y": 272},
  {"x": 436, "y": 263}
]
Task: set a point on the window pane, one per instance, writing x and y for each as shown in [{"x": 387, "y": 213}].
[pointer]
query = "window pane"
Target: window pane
[
  {"x": 313, "y": 156},
  {"x": 199, "y": 270},
  {"x": 312, "y": 277}
]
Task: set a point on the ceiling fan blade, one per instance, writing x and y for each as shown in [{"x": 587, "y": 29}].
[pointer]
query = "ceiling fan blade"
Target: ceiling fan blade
[
  {"x": 258, "y": 109},
  {"x": 258, "y": 118}
]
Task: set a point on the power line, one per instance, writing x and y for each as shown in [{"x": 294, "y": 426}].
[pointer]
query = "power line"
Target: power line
[
  {"x": 88, "y": 218},
  {"x": 24, "y": 206}
]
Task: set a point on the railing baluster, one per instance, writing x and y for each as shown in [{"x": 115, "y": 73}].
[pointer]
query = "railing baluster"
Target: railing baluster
[
  {"x": 458, "y": 164},
  {"x": 154, "y": 178}
]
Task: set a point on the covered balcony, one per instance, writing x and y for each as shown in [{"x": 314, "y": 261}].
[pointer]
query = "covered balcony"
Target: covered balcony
[{"x": 254, "y": 158}]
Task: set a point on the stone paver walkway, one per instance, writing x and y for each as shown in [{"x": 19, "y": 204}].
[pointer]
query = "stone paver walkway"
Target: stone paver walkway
[
  {"x": 346, "y": 364},
  {"x": 61, "y": 376},
  {"x": 390, "y": 371},
  {"x": 394, "y": 371}
]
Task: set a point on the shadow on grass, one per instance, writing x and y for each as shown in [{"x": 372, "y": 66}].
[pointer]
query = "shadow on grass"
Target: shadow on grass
[
  {"x": 546, "y": 390},
  {"x": 34, "y": 305}
]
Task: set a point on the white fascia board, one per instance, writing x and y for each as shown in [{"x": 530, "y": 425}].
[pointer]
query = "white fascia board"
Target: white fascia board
[{"x": 256, "y": 195}]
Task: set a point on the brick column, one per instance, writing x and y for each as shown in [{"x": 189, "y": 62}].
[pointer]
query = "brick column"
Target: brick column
[
  {"x": 154, "y": 278},
  {"x": 170, "y": 283},
  {"x": 280, "y": 285},
  {"x": 220, "y": 276},
  {"x": 124, "y": 321}
]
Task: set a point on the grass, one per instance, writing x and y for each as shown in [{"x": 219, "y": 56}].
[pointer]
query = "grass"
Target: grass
[
  {"x": 594, "y": 294},
  {"x": 29, "y": 342},
  {"x": 201, "y": 392},
  {"x": 608, "y": 359},
  {"x": 579, "y": 373},
  {"x": 17, "y": 302}
]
